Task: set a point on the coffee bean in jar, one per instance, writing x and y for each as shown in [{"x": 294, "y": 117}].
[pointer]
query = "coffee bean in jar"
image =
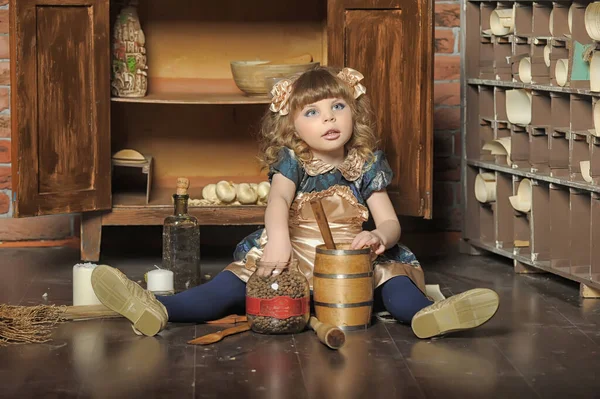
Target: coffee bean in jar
[{"x": 277, "y": 298}]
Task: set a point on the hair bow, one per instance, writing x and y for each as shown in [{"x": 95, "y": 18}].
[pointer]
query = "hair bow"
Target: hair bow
[
  {"x": 281, "y": 93},
  {"x": 352, "y": 78}
]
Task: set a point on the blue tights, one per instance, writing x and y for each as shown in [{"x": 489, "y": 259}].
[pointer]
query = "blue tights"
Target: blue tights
[{"x": 226, "y": 294}]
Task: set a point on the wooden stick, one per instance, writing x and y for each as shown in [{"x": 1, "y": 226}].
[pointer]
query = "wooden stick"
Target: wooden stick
[
  {"x": 89, "y": 312},
  {"x": 321, "y": 218}
]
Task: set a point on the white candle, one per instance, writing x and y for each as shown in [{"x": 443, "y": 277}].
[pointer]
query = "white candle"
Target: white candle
[
  {"x": 160, "y": 281},
  {"x": 83, "y": 293}
]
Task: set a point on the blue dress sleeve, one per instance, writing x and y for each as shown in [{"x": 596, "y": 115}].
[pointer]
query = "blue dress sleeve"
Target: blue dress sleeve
[
  {"x": 287, "y": 165},
  {"x": 377, "y": 175}
]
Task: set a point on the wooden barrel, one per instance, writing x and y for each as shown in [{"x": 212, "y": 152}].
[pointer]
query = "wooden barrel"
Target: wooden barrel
[{"x": 343, "y": 286}]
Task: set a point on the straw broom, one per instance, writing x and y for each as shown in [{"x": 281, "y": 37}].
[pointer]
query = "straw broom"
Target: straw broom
[{"x": 35, "y": 324}]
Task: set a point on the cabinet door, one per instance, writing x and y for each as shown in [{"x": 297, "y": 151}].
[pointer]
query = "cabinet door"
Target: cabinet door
[
  {"x": 391, "y": 43},
  {"x": 60, "y": 66}
]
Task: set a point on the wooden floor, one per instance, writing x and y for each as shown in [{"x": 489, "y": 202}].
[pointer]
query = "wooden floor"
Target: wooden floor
[{"x": 544, "y": 342}]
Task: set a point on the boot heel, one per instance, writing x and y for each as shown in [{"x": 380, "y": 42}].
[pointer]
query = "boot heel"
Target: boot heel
[
  {"x": 425, "y": 326},
  {"x": 148, "y": 324}
]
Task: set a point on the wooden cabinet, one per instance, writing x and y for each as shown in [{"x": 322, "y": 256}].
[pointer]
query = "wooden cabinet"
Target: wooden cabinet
[{"x": 194, "y": 121}]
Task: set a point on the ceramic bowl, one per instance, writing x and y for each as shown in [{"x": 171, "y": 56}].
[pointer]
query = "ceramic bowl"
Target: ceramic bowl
[{"x": 254, "y": 77}]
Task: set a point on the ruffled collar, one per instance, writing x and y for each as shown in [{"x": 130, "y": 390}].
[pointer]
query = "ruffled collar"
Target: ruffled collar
[{"x": 351, "y": 168}]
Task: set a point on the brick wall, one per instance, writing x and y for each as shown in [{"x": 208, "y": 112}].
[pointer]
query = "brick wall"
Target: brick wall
[
  {"x": 5, "y": 184},
  {"x": 446, "y": 142}
]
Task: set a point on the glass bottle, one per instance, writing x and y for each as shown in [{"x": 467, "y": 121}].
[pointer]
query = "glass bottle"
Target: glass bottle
[
  {"x": 181, "y": 241},
  {"x": 277, "y": 298}
]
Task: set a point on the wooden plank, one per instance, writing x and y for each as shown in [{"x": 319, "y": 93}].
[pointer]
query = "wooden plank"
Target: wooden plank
[
  {"x": 207, "y": 215},
  {"x": 196, "y": 98},
  {"x": 91, "y": 236},
  {"x": 519, "y": 85},
  {"x": 538, "y": 176},
  {"x": 53, "y": 227}
]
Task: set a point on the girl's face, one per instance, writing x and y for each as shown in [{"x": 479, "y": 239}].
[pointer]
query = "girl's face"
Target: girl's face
[{"x": 325, "y": 126}]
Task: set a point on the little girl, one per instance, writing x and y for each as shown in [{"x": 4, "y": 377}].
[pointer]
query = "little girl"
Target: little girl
[{"x": 318, "y": 142}]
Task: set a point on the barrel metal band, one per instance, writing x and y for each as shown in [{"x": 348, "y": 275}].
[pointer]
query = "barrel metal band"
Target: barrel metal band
[
  {"x": 355, "y": 328},
  {"x": 340, "y": 276},
  {"x": 344, "y": 305}
]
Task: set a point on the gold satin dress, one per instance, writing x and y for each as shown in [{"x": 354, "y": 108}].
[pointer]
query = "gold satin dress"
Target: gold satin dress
[{"x": 341, "y": 190}]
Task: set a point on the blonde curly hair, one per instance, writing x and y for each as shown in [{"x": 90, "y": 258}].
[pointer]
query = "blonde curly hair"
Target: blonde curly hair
[{"x": 277, "y": 131}]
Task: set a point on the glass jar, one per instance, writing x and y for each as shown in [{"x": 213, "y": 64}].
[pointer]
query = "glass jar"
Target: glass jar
[{"x": 277, "y": 298}]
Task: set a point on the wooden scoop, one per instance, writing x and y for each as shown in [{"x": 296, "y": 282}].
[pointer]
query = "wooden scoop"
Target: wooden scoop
[
  {"x": 219, "y": 335},
  {"x": 321, "y": 218},
  {"x": 330, "y": 335}
]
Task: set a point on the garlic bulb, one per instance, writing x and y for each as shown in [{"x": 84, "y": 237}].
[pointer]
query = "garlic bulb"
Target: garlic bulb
[
  {"x": 209, "y": 192},
  {"x": 254, "y": 186},
  {"x": 225, "y": 191},
  {"x": 246, "y": 194},
  {"x": 263, "y": 191}
]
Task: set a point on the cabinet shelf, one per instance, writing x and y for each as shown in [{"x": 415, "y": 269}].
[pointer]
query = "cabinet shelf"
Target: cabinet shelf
[
  {"x": 131, "y": 209},
  {"x": 195, "y": 98},
  {"x": 519, "y": 85},
  {"x": 534, "y": 175}
]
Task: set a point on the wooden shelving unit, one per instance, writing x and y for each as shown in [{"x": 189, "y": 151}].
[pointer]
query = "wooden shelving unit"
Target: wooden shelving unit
[{"x": 550, "y": 135}]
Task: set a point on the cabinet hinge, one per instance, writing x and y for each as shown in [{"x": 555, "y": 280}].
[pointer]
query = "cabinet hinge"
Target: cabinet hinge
[
  {"x": 14, "y": 196},
  {"x": 422, "y": 206}
]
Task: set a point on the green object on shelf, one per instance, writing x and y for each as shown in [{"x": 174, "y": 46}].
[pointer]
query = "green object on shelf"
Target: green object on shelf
[{"x": 581, "y": 68}]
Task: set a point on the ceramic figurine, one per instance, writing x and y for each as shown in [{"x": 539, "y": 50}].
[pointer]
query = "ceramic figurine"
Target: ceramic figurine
[{"x": 130, "y": 78}]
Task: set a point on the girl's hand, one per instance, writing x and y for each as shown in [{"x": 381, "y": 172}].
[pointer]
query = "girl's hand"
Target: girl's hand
[
  {"x": 368, "y": 238},
  {"x": 275, "y": 253}
]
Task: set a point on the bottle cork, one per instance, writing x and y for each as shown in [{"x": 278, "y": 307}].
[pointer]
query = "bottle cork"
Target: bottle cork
[{"x": 182, "y": 185}]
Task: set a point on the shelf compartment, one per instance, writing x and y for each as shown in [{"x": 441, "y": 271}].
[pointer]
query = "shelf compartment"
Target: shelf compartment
[
  {"x": 581, "y": 114},
  {"x": 579, "y": 34},
  {"x": 519, "y": 146},
  {"x": 595, "y": 238},
  {"x": 523, "y": 19},
  {"x": 541, "y": 19},
  {"x": 521, "y": 225},
  {"x": 578, "y": 151},
  {"x": 560, "y": 26},
  {"x": 504, "y": 211},
  {"x": 539, "y": 130},
  {"x": 502, "y": 53},
  {"x": 580, "y": 218},
  {"x": 559, "y": 228},
  {"x": 521, "y": 60},
  {"x": 500, "y": 105},
  {"x": 486, "y": 46},
  {"x": 558, "y": 51},
  {"x": 474, "y": 140},
  {"x": 193, "y": 44},
  {"x": 540, "y": 221},
  {"x": 558, "y": 160},
  {"x": 486, "y": 103},
  {"x": 594, "y": 159},
  {"x": 485, "y": 183},
  {"x": 539, "y": 153},
  {"x": 472, "y": 224},
  {"x": 540, "y": 71}
]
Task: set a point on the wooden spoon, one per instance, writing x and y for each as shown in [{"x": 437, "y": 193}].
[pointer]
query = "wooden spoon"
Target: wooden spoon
[
  {"x": 321, "y": 218},
  {"x": 219, "y": 335}
]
